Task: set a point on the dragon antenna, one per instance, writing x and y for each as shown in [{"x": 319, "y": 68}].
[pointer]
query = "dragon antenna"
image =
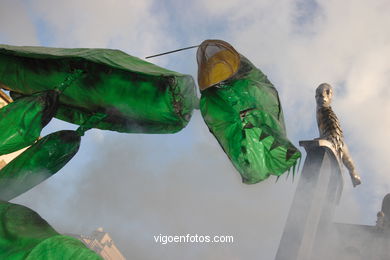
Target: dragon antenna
[{"x": 182, "y": 49}]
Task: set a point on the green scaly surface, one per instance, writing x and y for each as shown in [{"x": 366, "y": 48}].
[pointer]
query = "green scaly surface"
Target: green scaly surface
[
  {"x": 245, "y": 115},
  {"x": 136, "y": 96}
]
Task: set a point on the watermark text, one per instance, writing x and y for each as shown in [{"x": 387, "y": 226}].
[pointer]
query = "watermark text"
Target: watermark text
[{"x": 188, "y": 238}]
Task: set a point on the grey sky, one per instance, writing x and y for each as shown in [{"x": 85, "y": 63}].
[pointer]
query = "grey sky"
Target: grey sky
[{"x": 137, "y": 186}]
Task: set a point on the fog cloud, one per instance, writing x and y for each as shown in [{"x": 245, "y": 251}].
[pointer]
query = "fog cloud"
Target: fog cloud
[{"x": 137, "y": 186}]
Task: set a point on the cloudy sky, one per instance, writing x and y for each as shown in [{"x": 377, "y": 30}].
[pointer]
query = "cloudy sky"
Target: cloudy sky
[{"x": 138, "y": 186}]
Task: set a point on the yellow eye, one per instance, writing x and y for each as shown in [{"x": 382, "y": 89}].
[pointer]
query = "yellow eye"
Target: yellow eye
[{"x": 217, "y": 61}]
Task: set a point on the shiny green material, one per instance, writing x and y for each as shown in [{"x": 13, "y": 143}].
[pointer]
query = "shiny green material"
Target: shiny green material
[
  {"x": 21, "y": 121},
  {"x": 136, "y": 96},
  {"x": 245, "y": 115},
  {"x": 40, "y": 161},
  {"x": 90, "y": 123},
  {"x": 24, "y": 235}
]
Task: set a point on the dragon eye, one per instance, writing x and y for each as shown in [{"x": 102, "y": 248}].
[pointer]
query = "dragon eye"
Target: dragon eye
[{"x": 217, "y": 61}]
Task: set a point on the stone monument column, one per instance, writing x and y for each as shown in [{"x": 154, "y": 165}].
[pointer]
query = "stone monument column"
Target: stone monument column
[{"x": 317, "y": 194}]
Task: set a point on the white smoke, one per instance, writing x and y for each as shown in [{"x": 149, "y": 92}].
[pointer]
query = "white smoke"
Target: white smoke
[{"x": 137, "y": 186}]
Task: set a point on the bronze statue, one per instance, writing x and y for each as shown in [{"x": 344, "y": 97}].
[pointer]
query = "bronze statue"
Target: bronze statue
[{"x": 330, "y": 129}]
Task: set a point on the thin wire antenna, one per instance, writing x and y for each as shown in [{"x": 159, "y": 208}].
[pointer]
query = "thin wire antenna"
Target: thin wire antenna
[{"x": 182, "y": 49}]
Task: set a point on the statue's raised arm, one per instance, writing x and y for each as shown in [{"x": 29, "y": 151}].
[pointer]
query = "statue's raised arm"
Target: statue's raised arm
[{"x": 330, "y": 129}]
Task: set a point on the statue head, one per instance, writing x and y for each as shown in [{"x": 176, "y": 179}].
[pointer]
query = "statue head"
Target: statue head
[{"x": 324, "y": 94}]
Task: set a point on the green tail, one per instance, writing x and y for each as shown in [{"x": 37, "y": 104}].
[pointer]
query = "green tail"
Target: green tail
[{"x": 24, "y": 235}]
